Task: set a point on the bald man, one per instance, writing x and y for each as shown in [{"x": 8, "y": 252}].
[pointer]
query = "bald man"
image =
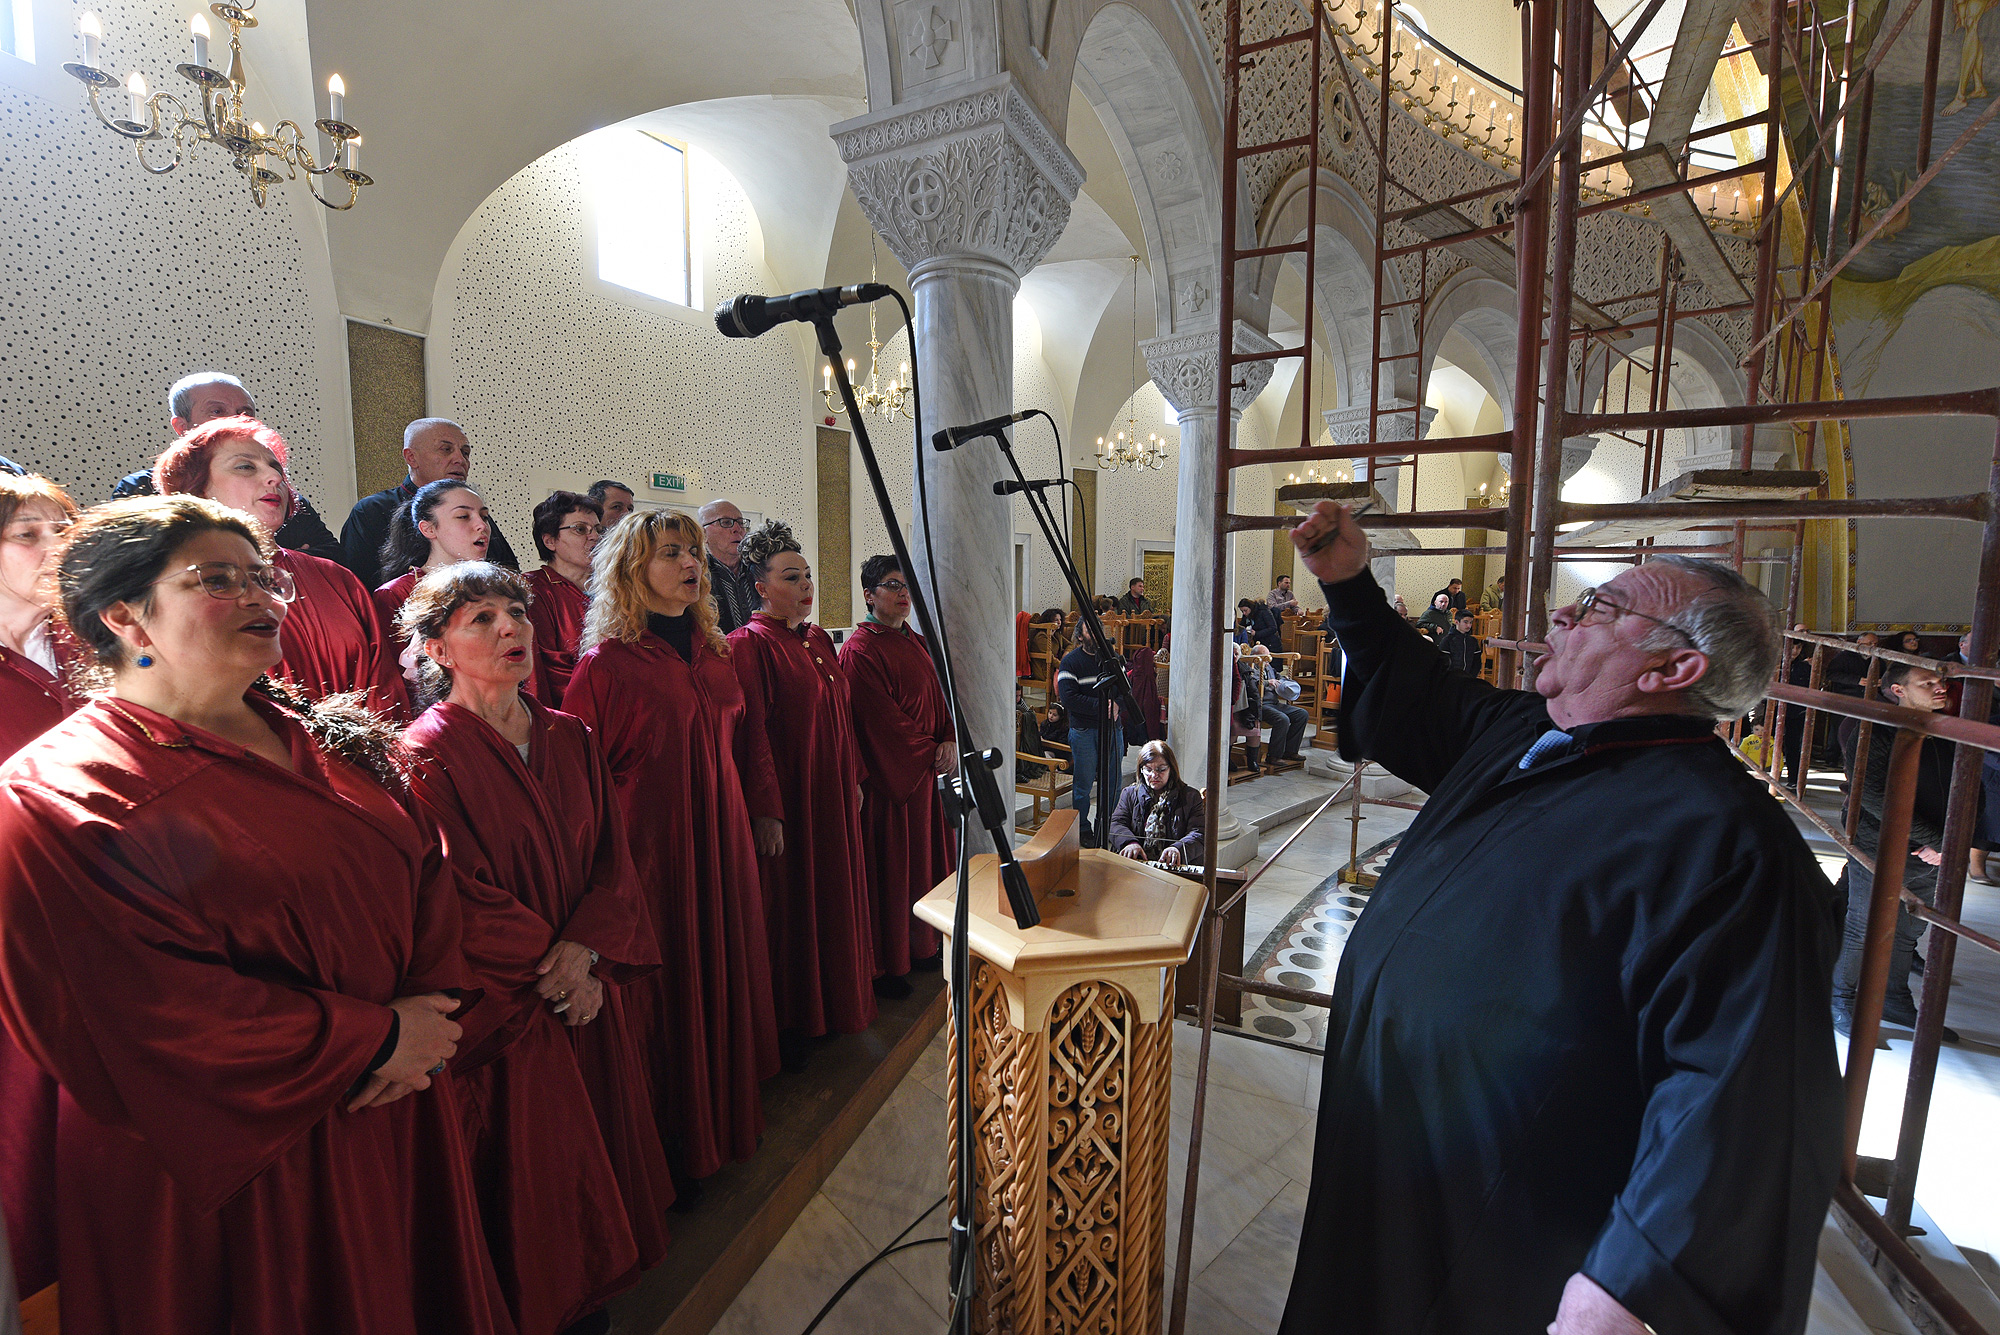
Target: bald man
[{"x": 433, "y": 448}]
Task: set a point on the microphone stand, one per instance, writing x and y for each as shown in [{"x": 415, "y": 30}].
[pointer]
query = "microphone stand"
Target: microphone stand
[
  {"x": 1112, "y": 687},
  {"x": 974, "y": 792}
]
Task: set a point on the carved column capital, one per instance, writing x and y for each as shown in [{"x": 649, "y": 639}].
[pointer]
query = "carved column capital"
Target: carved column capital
[
  {"x": 1184, "y": 368},
  {"x": 974, "y": 173},
  {"x": 1349, "y": 426}
]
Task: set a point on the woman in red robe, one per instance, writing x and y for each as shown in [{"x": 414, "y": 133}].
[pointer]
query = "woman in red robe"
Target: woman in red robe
[
  {"x": 540, "y": 851},
  {"x": 234, "y": 948},
  {"x": 655, "y": 686},
  {"x": 567, "y": 527},
  {"x": 34, "y": 513},
  {"x": 333, "y": 639},
  {"x": 904, "y": 727},
  {"x": 443, "y": 523},
  {"x": 816, "y": 907}
]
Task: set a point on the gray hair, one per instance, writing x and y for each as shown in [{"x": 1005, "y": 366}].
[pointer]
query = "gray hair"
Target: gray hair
[
  {"x": 1734, "y": 626},
  {"x": 423, "y": 424},
  {"x": 180, "y": 396}
]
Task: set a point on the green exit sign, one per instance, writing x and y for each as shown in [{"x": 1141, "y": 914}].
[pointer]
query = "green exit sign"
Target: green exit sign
[{"x": 669, "y": 482}]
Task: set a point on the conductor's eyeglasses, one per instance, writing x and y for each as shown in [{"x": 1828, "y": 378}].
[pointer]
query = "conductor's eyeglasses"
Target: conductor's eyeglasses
[
  {"x": 1591, "y": 599},
  {"x": 226, "y": 579},
  {"x": 893, "y": 586}
]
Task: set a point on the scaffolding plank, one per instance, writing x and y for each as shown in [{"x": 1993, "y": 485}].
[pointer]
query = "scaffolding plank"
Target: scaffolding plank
[
  {"x": 1704, "y": 484},
  {"x": 1361, "y": 498},
  {"x": 1655, "y": 166}
]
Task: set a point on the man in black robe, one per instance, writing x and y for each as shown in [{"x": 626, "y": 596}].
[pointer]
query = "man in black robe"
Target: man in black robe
[{"x": 1580, "y": 1063}]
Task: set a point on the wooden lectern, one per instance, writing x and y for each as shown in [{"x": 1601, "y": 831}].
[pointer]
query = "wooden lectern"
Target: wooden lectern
[{"x": 1072, "y": 1075}]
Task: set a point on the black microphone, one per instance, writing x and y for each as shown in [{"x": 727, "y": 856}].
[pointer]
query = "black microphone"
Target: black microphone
[
  {"x": 748, "y": 316},
  {"x": 951, "y": 437},
  {"x": 1011, "y": 487}
]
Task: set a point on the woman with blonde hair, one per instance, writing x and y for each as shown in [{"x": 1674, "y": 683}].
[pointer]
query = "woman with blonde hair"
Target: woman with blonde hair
[{"x": 655, "y": 685}]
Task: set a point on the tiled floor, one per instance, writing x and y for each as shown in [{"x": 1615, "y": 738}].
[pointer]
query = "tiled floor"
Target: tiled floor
[{"x": 1257, "y": 1158}]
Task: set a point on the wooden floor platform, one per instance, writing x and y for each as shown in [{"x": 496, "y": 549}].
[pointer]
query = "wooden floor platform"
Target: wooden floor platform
[{"x": 811, "y": 1121}]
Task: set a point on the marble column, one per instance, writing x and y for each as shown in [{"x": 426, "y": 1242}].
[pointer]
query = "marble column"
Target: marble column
[
  {"x": 1185, "y": 368},
  {"x": 969, "y": 189}
]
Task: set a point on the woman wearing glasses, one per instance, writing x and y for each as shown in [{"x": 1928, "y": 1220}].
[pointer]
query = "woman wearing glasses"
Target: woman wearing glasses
[
  {"x": 655, "y": 687},
  {"x": 334, "y": 640},
  {"x": 1159, "y": 818},
  {"x": 816, "y": 905},
  {"x": 234, "y": 948},
  {"x": 567, "y": 527},
  {"x": 904, "y": 729},
  {"x": 34, "y": 513}
]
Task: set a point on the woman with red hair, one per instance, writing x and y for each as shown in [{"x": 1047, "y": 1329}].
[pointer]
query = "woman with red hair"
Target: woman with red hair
[{"x": 333, "y": 640}]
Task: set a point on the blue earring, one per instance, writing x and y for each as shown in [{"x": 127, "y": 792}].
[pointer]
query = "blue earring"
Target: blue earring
[{"x": 145, "y": 660}]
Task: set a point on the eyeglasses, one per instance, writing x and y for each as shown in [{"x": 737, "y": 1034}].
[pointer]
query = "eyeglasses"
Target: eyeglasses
[
  {"x": 583, "y": 530},
  {"x": 226, "y": 579},
  {"x": 1158, "y": 767},
  {"x": 1590, "y": 599},
  {"x": 893, "y": 586},
  {"x": 727, "y": 523}
]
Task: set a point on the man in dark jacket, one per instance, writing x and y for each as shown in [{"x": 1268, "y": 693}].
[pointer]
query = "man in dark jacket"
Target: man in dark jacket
[
  {"x": 433, "y": 447},
  {"x": 1454, "y": 594},
  {"x": 1078, "y": 688},
  {"x": 1918, "y": 688},
  {"x": 1580, "y": 1066}
]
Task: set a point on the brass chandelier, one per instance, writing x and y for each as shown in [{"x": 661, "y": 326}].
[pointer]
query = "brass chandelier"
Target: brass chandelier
[
  {"x": 1124, "y": 449},
  {"x": 162, "y": 116},
  {"x": 877, "y": 400}
]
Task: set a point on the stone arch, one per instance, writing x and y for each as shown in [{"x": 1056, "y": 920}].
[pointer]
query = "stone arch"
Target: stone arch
[
  {"x": 1483, "y": 310},
  {"x": 1344, "y": 292}
]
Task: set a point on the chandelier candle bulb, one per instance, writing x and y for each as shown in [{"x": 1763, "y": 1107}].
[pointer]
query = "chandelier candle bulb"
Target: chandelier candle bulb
[
  {"x": 198, "y": 30},
  {"x": 135, "y": 86},
  {"x": 93, "y": 33},
  {"x": 353, "y": 150},
  {"x": 336, "y": 99}
]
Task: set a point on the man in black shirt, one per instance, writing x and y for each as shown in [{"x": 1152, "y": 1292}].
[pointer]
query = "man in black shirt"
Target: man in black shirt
[
  {"x": 433, "y": 447},
  {"x": 203, "y": 397},
  {"x": 723, "y": 528},
  {"x": 1454, "y": 592},
  {"x": 1135, "y": 602},
  {"x": 1579, "y": 1062}
]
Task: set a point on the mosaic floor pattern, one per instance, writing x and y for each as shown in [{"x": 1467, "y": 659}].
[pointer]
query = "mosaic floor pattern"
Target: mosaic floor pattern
[{"x": 1303, "y": 950}]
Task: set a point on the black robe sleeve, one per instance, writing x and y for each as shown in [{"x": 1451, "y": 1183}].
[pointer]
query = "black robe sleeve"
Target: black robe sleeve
[
  {"x": 1716, "y": 1230},
  {"x": 1400, "y": 704},
  {"x": 307, "y": 532}
]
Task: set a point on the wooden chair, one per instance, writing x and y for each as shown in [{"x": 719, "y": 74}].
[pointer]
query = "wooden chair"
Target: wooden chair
[
  {"x": 1325, "y": 707},
  {"x": 1042, "y": 655},
  {"x": 41, "y": 1313},
  {"x": 1055, "y": 781}
]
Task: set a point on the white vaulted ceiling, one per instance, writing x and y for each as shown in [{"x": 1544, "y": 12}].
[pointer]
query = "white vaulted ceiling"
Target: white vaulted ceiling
[{"x": 455, "y": 96}]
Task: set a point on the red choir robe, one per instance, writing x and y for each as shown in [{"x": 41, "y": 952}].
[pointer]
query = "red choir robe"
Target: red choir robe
[
  {"x": 547, "y": 831},
  {"x": 389, "y": 598},
  {"x": 900, "y": 717},
  {"x": 557, "y": 613},
  {"x": 201, "y": 947},
  {"x": 816, "y": 895},
  {"x": 674, "y": 735},
  {"x": 335, "y": 640},
  {"x": 31, "y": 702}
]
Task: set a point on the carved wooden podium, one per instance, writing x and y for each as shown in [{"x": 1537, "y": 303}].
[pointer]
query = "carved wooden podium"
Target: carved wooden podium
[{"x": 1072, "y": 1074}]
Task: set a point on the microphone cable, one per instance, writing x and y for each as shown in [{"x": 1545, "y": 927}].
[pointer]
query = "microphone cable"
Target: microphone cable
[{"x": 896, "y": 1244}]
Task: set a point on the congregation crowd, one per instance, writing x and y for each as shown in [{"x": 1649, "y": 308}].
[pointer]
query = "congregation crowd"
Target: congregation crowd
[{"x": 392, "y": 938}]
